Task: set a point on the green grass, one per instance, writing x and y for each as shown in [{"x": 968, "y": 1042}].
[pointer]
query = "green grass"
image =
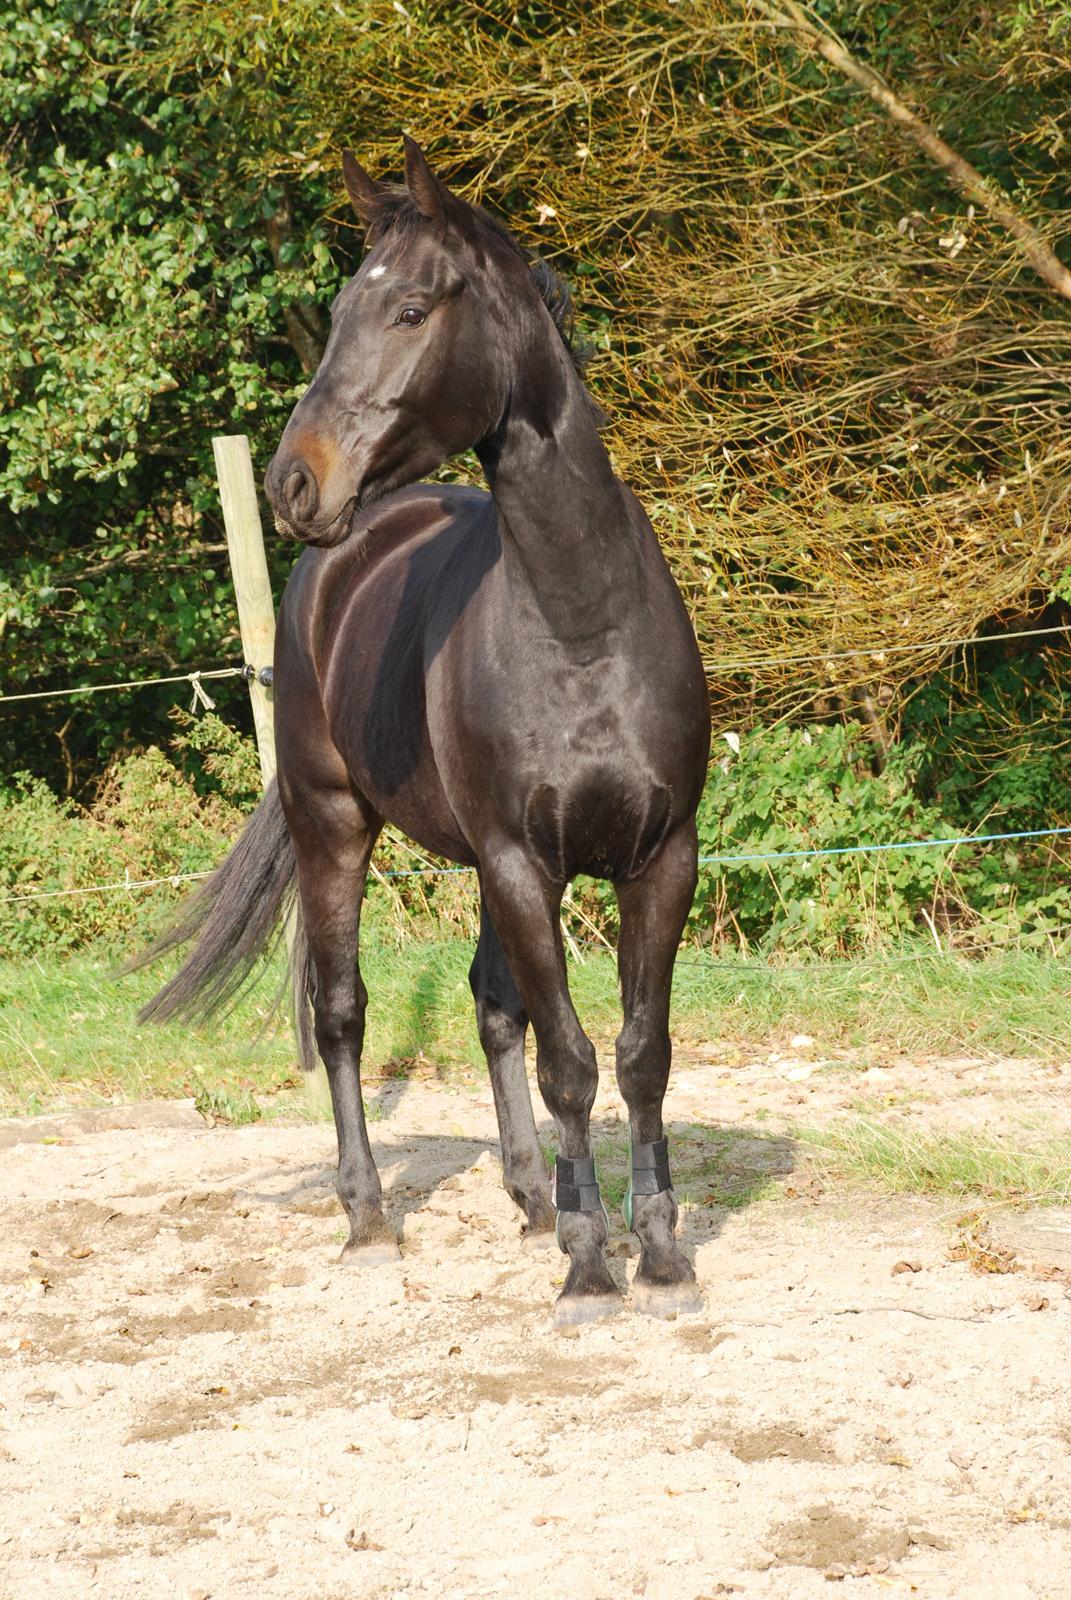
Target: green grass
[
  {"x": 1014, "y": 1003},
  {"x": 67, "y": 1029},
  {"x": 731, "y": 1167},
  {"x": 224, "y": 1105},
  {"x": 1020, "y": 1168}
]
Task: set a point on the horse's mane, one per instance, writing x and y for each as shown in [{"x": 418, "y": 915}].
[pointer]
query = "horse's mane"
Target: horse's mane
[
  {"x": 399, "y": 216},
  {"x": 554, "y": 292}
]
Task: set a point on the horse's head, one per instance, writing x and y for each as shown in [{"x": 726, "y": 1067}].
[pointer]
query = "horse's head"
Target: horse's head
[{"x": 424, "y": 343}]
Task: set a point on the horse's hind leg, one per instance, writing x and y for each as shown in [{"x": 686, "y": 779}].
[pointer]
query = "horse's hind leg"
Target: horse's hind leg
[
  {"x": 524, "y": 908},
  {"x": 503, "y": 1022},
  {"x": 333, "y": 834},
  {"x": 653, "y": 907}
]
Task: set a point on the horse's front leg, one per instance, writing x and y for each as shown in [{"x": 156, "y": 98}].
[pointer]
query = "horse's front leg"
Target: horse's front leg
[
  {"x": 654, "y": 907},
  {"x": 524, "y": 908}
]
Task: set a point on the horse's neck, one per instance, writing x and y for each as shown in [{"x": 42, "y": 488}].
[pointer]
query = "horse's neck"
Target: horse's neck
[{"x": 567, "y": 531}]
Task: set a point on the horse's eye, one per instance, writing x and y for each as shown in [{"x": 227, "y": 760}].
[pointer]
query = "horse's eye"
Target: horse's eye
[{"x": 412, "y": 317}]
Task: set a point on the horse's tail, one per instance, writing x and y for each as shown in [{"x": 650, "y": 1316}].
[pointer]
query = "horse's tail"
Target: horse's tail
[{"x": 234, "y": 921}]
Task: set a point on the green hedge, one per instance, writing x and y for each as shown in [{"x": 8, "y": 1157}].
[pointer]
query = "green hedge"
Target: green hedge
[{"x": 770, "y": 791}]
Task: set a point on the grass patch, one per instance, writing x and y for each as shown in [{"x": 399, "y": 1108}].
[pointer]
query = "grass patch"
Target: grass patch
[
  {"x": 68, "y": 1035},
  {"x": 961, "y": 1165},
  {"x": 731, "y": 1167},
  {"x": 224, "y": 1105},
  {"x": 1014, "y": 1003}
]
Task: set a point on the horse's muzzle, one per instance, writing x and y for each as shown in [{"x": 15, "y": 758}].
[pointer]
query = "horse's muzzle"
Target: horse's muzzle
[{"x": 294, "y": 495}]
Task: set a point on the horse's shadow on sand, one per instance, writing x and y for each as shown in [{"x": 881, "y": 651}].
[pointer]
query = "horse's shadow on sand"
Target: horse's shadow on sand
[{"x": 718, "y": 1169}]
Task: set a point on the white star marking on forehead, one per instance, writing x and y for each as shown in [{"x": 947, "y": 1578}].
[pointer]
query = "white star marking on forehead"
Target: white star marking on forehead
[{"x": 376, "y": 272}]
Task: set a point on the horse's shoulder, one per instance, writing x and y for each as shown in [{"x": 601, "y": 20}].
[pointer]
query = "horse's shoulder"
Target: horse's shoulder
[
  {"x": 420, "y": 509},
  {"x": 403, "y": 520}
]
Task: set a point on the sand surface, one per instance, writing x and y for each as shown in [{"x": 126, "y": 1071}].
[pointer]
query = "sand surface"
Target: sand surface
[{"x": 196, "y": 1401}]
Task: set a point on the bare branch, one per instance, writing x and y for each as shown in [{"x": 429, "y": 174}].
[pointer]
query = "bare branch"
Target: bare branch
[{"x": 967, "y": 179}]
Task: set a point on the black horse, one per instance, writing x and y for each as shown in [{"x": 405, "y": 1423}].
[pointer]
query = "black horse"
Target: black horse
[{"x": 511, "y": 678}]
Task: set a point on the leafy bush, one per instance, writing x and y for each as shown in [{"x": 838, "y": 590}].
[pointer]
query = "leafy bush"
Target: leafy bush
[
  {"x": 994, "y": 742},
  {"x": 773, "y": 791},
  {"x": 787, "y": 789},
  {"x": 170, "y": 285},
  {"x": 992, "y": 748},
  {"x": 216, "y": 756},
  {"x": 148, "y": 822},
  {"x": 155, "y": 819}
]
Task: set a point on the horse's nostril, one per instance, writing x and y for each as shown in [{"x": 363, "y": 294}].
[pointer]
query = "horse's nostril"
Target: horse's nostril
[{"x": 300, "y": 495}]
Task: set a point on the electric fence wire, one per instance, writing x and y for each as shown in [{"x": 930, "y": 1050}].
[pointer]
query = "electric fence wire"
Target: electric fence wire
[
  {"x": 194, "y": 678},
  {"x": 727, "y": 860},
  {"x": 876, "y": 652},
  {"x": 722, "y": 859}
]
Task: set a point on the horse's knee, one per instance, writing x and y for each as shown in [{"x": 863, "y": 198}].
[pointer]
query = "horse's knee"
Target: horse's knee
[
  {"x": 339, "y": 1023},
  {"x": 500, "y": 1016},
  {"x": 568, "y": 1076}
]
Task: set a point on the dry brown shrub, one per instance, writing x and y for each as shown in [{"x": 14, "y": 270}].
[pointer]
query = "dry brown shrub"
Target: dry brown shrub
[{"x": 842, "y": 394}]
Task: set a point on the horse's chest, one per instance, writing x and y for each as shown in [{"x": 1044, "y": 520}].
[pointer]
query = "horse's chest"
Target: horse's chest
[
  {"x": 571, "y": 766},
  {"x": 577, "y": 711},
  {"x": 602, "y": 818}
]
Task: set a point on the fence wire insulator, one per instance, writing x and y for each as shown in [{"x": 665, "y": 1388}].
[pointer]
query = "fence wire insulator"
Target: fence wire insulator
[{"x": 262, "y": 675}]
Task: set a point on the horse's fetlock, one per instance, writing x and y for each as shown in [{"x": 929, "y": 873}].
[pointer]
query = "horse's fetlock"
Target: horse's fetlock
[{"x": 654, "y": 1217}]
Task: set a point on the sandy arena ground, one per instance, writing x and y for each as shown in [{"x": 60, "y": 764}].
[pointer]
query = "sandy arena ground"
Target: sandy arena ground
[{"x": 195, "y": 1401}]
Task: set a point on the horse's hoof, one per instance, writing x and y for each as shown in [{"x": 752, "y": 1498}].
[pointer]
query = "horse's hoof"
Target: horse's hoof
[
  {"x": 666, "y": 1300},
  {"x": 572, "y": 1310},
  {"x": 377, "y": 1253}
]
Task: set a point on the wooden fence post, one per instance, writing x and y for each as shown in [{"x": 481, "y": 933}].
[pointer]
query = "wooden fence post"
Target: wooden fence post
[
  {"x": 249, "y": 569},
  {"x": 256, "y": 619}
]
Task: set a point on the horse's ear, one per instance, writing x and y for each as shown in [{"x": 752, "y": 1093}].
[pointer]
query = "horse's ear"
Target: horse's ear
[
  {"x": 428, "y": 193},
  {"x": 364, "y": 192}
]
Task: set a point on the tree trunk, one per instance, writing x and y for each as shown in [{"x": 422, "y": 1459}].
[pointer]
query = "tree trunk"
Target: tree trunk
[{"x": 306, "y": 328}]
